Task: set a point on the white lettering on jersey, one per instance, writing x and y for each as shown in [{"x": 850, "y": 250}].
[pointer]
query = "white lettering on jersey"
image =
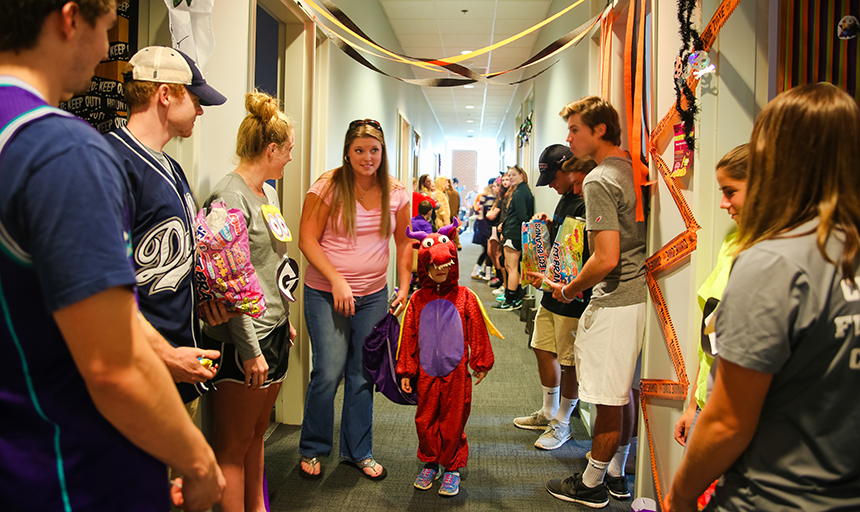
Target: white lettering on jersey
[
  {"x": 163, "y": 256},
  {"x": 851, "y": 293},
  {"x": 844, "y": 323}
]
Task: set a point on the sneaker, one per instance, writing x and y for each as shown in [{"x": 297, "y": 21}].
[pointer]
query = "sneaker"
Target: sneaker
[
  {"x": 536, "y": 421},
  {"x": 498, "y": 291},
  {"x": 554, "y": 436},
  {"x": 488, "y": 275},
  {"x": 426, "y": 478},
  {"x": 501, "y": 297},
  {"x": 477, "y": 272},
  {"x": 617, "y": 487},
  {"x": 517, "y": 304},
  {"x": 450, "y": 484},
  {"x": 503, "y": 304},
  {"x": 495, "y": 282},
  {"x": 572, "y": 489}
]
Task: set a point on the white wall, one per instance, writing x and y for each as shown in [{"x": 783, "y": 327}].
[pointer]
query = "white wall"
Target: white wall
[{"x": 729, "y": 101}]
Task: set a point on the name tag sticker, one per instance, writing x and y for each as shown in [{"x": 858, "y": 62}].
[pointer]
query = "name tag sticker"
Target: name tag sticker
[{"x": 277, "y": 224}]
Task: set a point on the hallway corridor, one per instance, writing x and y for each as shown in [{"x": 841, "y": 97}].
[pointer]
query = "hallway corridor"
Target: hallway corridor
[{"x": 505, "y": 471}]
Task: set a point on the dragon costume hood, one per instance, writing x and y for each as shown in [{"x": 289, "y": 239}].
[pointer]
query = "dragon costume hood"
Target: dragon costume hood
[{"x": 437, "y": 249}]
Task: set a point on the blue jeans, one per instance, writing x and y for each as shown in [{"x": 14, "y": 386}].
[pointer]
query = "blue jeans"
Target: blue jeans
[{"x": 337, "y": 342}]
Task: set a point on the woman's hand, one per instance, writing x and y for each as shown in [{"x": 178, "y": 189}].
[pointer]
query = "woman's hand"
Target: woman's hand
[
  {"x": 682, "y": 427},
  {"x": 405, "y": 385},
  {"x": 480, "y": 376},
  {"x": 540, "y": 216},
  {"x": 402, "y": 294},
  {"x": 344, "y": 302},
  {"x": 256, "y": 372}
]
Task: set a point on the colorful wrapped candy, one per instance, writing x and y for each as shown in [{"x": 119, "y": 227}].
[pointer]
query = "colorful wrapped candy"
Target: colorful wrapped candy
[
  {"x": 567, "y": 255},
  {"x": 224, "y": 271},
  {"x": 535, "y": 249}
]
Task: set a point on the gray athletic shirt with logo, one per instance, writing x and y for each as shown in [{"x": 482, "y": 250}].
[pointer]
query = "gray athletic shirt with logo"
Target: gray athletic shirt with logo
[
  {"x": 610, "y": 205},
  {"x": 266, "y": 255},
  {"x": 787, "y": 312}
]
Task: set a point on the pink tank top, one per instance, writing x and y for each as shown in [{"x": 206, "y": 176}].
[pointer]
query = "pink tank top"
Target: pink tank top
[{"x": 362, "y": 261}]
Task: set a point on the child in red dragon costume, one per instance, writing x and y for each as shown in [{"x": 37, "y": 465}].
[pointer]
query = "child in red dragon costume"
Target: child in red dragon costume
[{"x": 444, "y": 332}]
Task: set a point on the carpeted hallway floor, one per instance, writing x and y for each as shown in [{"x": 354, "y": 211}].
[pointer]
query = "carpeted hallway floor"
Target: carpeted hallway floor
[{"x": 505, "y": 470}]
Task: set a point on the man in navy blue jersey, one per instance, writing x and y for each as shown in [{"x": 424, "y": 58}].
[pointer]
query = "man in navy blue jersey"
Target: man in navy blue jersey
[
  {"x": 89, "y": 413},
  {"x": 164, "y": 91}
]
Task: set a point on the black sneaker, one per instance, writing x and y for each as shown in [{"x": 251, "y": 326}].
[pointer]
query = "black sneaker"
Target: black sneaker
[
  {"x": 495, "y": 282},
  {"x": 572, "y": 489},
  {"x": 517, "y": 304},
  {"x": 503, "y": 305},
  {"x": 617, "y": 487}
]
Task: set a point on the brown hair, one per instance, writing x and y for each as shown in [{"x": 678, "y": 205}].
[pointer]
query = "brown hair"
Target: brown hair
[
  {"x": 804, "y": 161},
  {"x": 22, "y": 22},
  {"x": 264, "y": 124},
  {"x": 425, "y": 178},
  {"x": 342, "y": 183},
  {"x": 138, "y": 92},
  {"x": 735, "y": 163},
  {"x": 595, "y": 111},
  {"x": 582, "y": 165}
]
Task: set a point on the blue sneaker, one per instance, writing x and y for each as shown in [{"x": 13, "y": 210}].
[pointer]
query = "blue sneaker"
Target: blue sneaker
[
  {"x": 426, "y": 478},
  {"x": 450, "y": 484}
]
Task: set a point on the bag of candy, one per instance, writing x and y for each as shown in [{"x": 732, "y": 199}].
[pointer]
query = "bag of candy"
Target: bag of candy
[
  {"x": 224, "y": 271},
  {"x": 535, "y": 249},
  {"x": 566, "y": 257}
]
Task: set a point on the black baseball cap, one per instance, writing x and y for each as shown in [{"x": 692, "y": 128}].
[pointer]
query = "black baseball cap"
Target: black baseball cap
[{"x": 550, "y": 162}]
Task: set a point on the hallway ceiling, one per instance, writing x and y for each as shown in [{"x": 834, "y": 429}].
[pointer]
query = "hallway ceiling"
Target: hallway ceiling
[{"x": 440, "y": 28}]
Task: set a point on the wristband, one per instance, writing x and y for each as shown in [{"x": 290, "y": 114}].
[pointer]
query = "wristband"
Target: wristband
[{"x": 565, "y": 296}]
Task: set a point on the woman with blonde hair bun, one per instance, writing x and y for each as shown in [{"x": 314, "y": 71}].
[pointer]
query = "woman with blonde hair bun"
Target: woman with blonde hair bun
[{"x": 255, "y": 351}]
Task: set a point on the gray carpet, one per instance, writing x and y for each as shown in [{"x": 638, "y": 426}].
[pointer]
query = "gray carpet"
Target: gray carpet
[{"x": 505, "y": 470}]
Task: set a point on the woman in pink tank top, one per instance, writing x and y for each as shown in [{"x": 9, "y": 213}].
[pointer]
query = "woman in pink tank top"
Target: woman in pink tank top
[{"x": 348, "y": 218}]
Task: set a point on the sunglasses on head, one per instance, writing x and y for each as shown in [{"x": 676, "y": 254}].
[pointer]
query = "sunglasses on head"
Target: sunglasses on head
[{"x": 369, "y": 122}]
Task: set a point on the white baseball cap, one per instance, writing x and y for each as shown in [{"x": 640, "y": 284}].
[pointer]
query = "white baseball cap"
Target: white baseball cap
[{"x": 170, "y": 66}]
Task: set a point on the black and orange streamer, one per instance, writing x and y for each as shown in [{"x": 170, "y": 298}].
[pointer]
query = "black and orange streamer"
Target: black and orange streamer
[
  {"x": 605, "y": 60},
  {"x": 634, "y": 88},
  {"x": 810, "y": 49},
  {"x": 680, "y": 247},
  {"x": 449, "y": 64}
]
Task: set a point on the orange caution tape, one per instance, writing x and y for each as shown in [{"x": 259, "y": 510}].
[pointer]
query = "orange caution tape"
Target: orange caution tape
[{"x": 677, "y": 249}]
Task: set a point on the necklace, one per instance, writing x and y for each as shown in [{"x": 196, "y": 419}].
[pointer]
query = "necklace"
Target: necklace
[{"x": 364, "y": 192}]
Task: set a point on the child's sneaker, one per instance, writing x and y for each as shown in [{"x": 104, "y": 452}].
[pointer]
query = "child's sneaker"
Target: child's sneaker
[
  {"x": 426, "y": 478},
  {"x": 450, "y": 484}
]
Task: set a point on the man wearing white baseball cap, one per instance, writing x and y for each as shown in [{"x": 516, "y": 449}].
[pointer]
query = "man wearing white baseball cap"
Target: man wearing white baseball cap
[{"x": 164, "y": 91}]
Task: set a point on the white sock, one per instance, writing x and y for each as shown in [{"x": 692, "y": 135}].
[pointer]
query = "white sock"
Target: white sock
[
  {"x": 565, "y": 408},
  {"x": 619, "y": 460},
  {"x": 594, "y": 472},
  {"x": 550, "y": 401}
]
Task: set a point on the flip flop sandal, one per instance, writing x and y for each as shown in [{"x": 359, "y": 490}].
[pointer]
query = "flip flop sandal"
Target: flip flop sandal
[
  {"x": 370, "y": 463},
  {"x": 312, "y": 462}
]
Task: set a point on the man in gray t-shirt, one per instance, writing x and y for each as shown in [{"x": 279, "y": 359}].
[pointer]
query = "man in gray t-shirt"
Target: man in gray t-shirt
[{"x": 610, "y": 332}]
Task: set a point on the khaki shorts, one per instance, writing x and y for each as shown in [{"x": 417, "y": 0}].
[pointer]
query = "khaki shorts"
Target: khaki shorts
[
  {"x": 556, "y": 334},
  {"x": 607, "y": 348}
]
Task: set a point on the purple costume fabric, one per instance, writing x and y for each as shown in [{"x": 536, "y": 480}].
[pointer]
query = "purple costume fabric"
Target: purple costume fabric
[
  {"x": 380, "y": 356},
  {"x": 440, "y": 338}
]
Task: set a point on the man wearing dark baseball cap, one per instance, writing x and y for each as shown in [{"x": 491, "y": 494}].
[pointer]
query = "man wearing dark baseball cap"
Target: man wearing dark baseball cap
[
  {"x": 164, "y": 91},
  {"x": 556, "y": 322},
  {"x": 165, "y": 65}
]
